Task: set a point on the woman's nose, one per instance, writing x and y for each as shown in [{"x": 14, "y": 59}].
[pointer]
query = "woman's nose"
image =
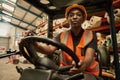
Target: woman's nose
[{"x": 75, "y": 16}]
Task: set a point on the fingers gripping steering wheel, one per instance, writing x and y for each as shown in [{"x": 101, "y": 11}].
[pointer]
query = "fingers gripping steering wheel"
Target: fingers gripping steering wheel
[{"x": 27, "y": 49}]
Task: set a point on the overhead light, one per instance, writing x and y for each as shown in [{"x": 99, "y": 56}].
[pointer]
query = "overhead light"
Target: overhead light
[
  {"x": 8, "y": 7},
  {"x": 44, "y": 1},
  {"x": 6, "y": 18},
  {"x": 52, "y": 7},
  {"x": 7, "y": 13}
]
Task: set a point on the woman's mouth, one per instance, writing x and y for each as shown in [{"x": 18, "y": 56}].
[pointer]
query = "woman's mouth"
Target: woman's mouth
[{"x": 75, "y": 22}]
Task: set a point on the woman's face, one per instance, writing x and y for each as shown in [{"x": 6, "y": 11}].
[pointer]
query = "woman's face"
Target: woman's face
[{"x": 75, "y": 18}]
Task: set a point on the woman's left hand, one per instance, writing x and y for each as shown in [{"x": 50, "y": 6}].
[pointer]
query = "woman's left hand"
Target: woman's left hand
[{"x": 75, "y": 70}]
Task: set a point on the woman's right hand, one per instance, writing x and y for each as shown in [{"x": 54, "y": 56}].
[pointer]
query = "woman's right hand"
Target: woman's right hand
[
  {"x": 27, "y": 33},
  {"x": 24, "y": 34}
]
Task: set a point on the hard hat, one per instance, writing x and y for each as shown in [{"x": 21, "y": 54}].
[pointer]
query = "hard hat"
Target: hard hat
[{"x": 81, "y": 7}]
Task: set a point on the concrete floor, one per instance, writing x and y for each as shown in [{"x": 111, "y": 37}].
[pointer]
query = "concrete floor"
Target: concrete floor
[{"x": 8, "y": 70}]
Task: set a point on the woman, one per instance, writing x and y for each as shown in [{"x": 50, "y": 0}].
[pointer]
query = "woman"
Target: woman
[{"x": 82, "y": 42}]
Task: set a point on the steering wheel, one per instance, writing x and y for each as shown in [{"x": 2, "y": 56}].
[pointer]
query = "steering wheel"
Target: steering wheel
[{"x": 27, "y": 49}]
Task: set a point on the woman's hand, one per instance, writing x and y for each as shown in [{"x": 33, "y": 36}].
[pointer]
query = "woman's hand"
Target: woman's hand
[
  {"x": 28, "y": 33},
  {"x": 74, "y": 69},
  {"x": 24, "y": 34}
]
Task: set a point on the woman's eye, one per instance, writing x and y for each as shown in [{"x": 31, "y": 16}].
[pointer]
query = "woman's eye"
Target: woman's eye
[
  {"x": 71, "y": 15},
  {"x": 79, "y": 14}
]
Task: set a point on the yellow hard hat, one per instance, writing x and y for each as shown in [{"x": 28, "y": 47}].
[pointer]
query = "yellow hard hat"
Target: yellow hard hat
[{"x": 81, "y": 7}]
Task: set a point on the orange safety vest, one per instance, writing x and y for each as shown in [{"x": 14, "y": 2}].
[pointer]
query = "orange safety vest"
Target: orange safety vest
[{"x": 86, "y": 38}]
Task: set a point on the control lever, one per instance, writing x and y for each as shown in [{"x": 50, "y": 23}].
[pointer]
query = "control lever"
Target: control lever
[
  {"x": 75, "y": 77},
  {"x": 65, "y": 68},
  {"x": 19, "y": 69}
]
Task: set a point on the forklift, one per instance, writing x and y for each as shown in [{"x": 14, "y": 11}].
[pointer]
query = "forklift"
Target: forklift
[{"x": 46, "y": 68}]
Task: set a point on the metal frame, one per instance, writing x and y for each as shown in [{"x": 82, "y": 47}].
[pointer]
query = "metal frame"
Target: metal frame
[{"x": 109, "y": 9}]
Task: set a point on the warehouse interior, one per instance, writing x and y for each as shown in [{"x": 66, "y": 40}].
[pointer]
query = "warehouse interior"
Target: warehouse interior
[{"x": 46, "y": 18}]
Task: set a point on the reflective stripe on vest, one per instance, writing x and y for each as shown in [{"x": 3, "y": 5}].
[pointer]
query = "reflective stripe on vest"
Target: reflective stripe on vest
[
  {"x": 86, "y": 38},
  {"x": 64, "y": 59}
]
